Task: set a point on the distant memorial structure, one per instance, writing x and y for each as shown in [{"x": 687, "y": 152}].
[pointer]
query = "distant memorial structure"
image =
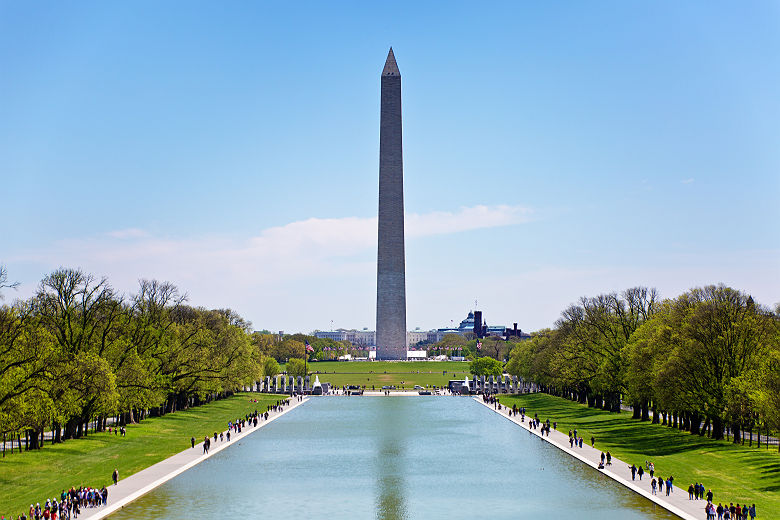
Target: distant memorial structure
[{"x": 391, "y": 264}]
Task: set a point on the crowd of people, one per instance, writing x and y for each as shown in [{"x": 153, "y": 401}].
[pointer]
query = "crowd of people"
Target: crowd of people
[{"x": 68, "y": 506}]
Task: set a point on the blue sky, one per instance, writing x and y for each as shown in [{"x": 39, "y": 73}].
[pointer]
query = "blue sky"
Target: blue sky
[{"x": 551, "y": 150}]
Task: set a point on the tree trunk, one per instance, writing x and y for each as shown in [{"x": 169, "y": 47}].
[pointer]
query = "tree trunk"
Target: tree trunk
[
  {"x": 636, "y": 410},
  {"x": 655, "y": 413},
  {"x": 735, "y": 430},
  {"x": 717, "y": 428},
  {"x": 32, "y": 440},
  {"x": 645, "y": 411},
  {"x": 695, "y": 424}
]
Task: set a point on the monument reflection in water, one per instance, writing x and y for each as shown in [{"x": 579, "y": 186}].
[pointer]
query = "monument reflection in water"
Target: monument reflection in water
[{"x": 391, "y": 458}]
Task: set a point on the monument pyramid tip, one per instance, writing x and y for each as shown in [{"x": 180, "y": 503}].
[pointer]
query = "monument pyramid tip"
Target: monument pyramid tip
[{"x": 391, "y": 67}]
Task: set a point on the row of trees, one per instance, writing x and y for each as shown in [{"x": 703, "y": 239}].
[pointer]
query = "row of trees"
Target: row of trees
[
  {"x": 703, "y": 361},
  {"x": 77, "y": 353}
]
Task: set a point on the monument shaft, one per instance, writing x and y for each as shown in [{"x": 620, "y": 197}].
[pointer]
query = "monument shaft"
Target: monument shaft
[{"x": 391, "y": 265}]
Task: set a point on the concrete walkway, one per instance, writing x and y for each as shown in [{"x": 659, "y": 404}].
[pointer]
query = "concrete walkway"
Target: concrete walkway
[
  {"x": 619, "y": 471},
  {"x": 146, "y": 480}
]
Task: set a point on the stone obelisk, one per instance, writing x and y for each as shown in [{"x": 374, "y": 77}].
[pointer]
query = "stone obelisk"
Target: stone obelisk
[{"x": 391, "y": 266}]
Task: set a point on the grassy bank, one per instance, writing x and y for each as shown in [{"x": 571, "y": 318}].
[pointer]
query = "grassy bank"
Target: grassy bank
[
  {"x": 34, "y": 476},
  {"x": 397, "y": 373},
  {"x": 734, "y": 473}
]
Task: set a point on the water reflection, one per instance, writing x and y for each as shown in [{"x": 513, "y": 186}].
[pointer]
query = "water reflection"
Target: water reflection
[{"x": 390, "y": 468}]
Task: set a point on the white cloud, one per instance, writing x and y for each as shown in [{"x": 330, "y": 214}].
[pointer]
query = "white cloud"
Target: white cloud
[
  {"x": 688, "y": 181},
  {"x": 217, "y": 270}
]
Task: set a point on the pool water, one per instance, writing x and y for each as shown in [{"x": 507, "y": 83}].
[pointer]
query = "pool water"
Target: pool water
[{"x": 391, "y": 458}]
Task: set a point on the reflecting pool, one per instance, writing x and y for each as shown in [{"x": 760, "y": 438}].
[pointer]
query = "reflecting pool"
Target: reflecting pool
[{"x": 391, "y": 458}]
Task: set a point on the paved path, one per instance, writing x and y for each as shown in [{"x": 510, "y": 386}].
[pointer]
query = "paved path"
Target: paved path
[
  {"x": 145, "y": 480},
  {"x": 619, "y": 471}
]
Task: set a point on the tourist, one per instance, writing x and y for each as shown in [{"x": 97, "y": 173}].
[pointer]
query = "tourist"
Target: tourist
[
  {"x": 653, "y": 486},
  {"x": 192, "y": 440},
  {"x": 592, "y": 442},
  {"x": 603, "y": 457},
  {"x": 752, "y": 511},
  {"x": 640, "y": 472},
  {"x": 115, "y": 476},
  {"x": 719, "y": 510},
  {"x": 609, "y": 458},
  {"x": 651, "y": 467},
  {"x": 633, "y": 472},
  {"x": 668, "y": 486},
  {"x": 690, "y": 492},
  {"x": 660, "y": 484}
]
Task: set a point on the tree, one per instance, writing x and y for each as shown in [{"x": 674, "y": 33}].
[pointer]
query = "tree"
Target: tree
[
  {"x": 83, "y": 316},
  {"x": 486, "y": 366},
  {"x": 4, "y": 283},
  {"x": 715, "y": 334},
  {"x": 296, "y": 367},
  {"x": 270, "y": 367}
]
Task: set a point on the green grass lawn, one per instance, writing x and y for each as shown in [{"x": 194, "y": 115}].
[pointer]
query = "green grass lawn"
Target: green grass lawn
[
  {"x": 34, "y": 476},
  {"x": 734, "y": 473},
  {"x": 398, "y": 373}
]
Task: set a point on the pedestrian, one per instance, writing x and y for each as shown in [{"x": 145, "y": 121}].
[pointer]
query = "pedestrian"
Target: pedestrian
[
  {"x": 192, "y": 440},
  {"x": 633, "y": 472},
  {"x": 653, "y": 486},
  {"x": 580, "y": 442},
  {"x": 115, "y": 476},
  {"x": 640, "y": 472},
  {"x": 593, "y": 442},
  {"x": 609, "y": 458}
]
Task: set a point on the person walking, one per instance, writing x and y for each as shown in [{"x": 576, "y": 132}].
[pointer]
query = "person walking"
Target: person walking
[
  {"x": 115, "y": 476},
  {"x": 640, "y": 472},
  {"x": 192, "y": 440},
  {"x": 653, "y": 487},
  {"x": 633, "y": 472}
]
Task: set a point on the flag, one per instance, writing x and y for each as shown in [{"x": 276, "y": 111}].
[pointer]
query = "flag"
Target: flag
[
  {"x": 309, "y": 348},
  {"x": 479, "y": 345}
]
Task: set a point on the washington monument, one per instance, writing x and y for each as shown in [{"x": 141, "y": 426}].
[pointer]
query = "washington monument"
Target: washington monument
[{"x": 391, "y": 266}]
